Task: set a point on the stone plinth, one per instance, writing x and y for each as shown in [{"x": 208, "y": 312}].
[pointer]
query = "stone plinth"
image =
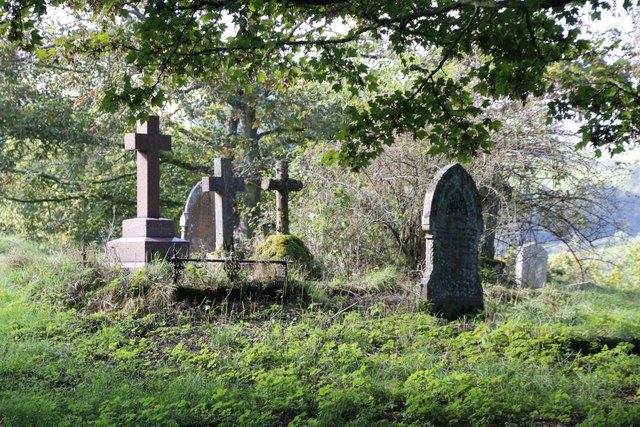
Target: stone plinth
[{"x": 134, "y": 252}]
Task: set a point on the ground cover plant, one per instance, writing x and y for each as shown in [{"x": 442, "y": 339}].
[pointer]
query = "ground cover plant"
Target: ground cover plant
[{"x": 83, "y": 344}]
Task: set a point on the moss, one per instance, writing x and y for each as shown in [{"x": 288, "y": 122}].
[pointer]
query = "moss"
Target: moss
[{"x": 285, "y": 246}]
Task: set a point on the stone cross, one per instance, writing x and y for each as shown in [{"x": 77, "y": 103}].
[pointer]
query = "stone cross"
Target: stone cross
[
  {"x": 282, "y": 185},
  {"x": 452, "y": 218},
  {"x": 225, "y": 185},
  {"x": 147, "y": 236},
  {"x": 148, "y": 142}
]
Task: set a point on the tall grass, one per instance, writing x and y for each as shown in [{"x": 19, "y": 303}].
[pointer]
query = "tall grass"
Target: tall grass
[{"x": 67, "y": 359}]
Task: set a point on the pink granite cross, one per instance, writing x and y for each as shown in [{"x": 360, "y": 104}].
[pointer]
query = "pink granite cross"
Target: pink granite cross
[{"x": 148, "y": 142}]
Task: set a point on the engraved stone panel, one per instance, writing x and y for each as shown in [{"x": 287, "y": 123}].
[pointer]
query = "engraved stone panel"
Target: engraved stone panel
[{"x": 452, "y": 219}]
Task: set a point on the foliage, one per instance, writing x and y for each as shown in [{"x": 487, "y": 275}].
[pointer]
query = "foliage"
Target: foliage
[
  {"x": 614, "y": 266},
  {"x": 63, "y": 169},
  {"x": 533, "y": 186},
  {"x": 517, "y": 50},
  {"x": 523, "y": 362}
]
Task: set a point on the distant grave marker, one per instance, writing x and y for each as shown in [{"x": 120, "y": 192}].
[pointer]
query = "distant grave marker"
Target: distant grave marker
[
  {"x": 225, "y": 186},
  {"x": 282, "y": 185},
  {"x": 531, "y": 266},
  {"x": 148, "y": 235},
  {"x": 452, "y": 218}
]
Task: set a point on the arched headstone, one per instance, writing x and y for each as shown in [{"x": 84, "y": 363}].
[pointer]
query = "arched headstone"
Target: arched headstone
[
  {"x": 452, "y": 219},
  {"x": 197, "y": 222}
]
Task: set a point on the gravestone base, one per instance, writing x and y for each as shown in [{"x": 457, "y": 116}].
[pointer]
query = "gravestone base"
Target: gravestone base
[
  {"x": 145, "y": 239},
  {"x": 447, "y": 303},
  {"x": 148, "y": 227}
]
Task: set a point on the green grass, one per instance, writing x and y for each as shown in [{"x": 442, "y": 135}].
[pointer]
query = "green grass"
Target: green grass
[{"x": 94, "y": 346}]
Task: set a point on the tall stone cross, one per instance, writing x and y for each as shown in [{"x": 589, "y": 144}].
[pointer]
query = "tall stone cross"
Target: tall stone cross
[
  {"x": 148, "y": 142},
  {"x": 282, "y": 185},
  {"x": 225, "y": 185},
  {"x": 147, "y": 236}
]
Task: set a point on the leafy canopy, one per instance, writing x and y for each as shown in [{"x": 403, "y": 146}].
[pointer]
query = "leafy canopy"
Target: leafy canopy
[{"x": 513, "y": 48}]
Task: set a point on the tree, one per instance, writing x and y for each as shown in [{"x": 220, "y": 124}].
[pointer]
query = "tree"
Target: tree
[
  {"x": 546, "y": 191},
  {"x": 63, "y": 169},
  {"x": 521, "y": 49}
]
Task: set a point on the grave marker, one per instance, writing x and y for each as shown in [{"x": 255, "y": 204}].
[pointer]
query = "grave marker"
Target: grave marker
[
  {"x": 531, "y": 266},
  {"x": 225, "y": 186},
  {"x": 197, "y": 222},
  {"x": 452, "y": 218},
  {"x": 282, "y": 185},
  {"x": 148, "y": 235}
]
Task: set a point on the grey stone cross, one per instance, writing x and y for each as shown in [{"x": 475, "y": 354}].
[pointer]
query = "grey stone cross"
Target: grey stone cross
[
  {"x": 282, "y": 185},
  {"x": 225, "y": 185},
  {"x": 148, "y": 142}
]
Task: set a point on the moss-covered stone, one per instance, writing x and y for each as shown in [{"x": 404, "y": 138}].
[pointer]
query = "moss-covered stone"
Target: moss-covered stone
[{"x": 285, "y": 246}]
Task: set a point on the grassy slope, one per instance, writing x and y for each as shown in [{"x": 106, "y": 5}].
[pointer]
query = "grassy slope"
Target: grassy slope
[{"x": 523, "y": 362}]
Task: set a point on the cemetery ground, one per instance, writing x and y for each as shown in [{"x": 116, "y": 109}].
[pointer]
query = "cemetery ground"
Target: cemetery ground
[{"x": 83, "y": 344}]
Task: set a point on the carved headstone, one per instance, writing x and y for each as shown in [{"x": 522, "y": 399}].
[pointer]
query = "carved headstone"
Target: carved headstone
[
  {"x": 282, "y": 185},
  {"x": 148, "y": 235},
  {"x": 225, "y": 186},
  {"x": 452, "y": 219},
  {"x": 197, "y": 223},
  {"x": 531, "y": 266}
]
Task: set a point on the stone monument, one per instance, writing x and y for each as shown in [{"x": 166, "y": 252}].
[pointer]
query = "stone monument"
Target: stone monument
[
  {"x": 148, "y": 235},
  {"x": 282, "y": 185},
  {"x": 531, "y": 266},
  {"x": 197, "y": 223},
  {"x": 452, "y": 219},
  {"x": 225, "y": 186}
]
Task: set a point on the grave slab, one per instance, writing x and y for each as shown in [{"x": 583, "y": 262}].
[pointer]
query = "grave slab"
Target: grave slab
[{"x": 197, "y": 223}]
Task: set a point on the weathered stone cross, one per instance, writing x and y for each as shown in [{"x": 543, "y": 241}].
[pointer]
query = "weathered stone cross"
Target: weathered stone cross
[
  {"x": 148, "y": 142},
  {"x": 282, "y": 185},
  {"x": 225, "y": 185}
]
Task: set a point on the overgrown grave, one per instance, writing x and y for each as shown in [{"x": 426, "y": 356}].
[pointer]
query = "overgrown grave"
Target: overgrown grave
[{"x": 231, "y": 283}]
